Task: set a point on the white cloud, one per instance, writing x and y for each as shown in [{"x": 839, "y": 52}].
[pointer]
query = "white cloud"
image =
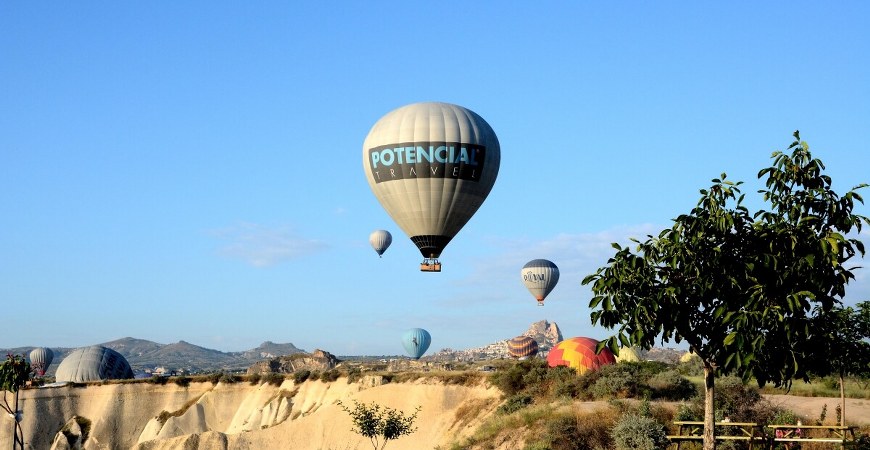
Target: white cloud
[{"x": 263, "y": 246}]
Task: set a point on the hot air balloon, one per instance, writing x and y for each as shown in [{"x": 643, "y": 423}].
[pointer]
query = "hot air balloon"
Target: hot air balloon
[
  {"x": 628, "y": 354},
  {"x": 540, "y": 277},
  {"x": 93, "y": 363},
  {"x": 380, "y": 240},
  {"x": 416, "y": 341},
  {"x": 522, "y": 347},
  {"x": 579, "y": 353},
  {"x": 431, "y": 165},
  {"x": 40, "y": 359}
]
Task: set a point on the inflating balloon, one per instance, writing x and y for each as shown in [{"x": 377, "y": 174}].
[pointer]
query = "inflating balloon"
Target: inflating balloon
[
  {"x": 40, "y": 359},
  {"x": 540, "y": 277},
  {"x": 522, "y": 347},
  {"x": 579, "y": 354},
  {"x": 93, "y": 363},
  {"x": 431, "y": 166}
]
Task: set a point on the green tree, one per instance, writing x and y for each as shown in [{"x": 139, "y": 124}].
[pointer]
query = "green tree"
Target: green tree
[
  {"x": 842, "y": 345},
  {"x": 14, "y": 373},
  {"x": 739, "y": 288},
  {"x": 379, "y": 423}
]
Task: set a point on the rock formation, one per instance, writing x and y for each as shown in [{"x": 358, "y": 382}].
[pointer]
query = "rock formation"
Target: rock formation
[{"x": 319, "y": 360}]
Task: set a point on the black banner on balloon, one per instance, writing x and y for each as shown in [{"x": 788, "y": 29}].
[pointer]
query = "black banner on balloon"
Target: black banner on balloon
[{"x": 426, "y": 160}]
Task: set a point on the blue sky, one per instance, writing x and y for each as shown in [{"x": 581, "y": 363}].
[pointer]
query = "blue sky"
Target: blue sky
[{"x": 192, "y": 170}]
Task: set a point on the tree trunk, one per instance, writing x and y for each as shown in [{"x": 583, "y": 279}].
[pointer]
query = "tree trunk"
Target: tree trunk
[
  {"x": 842, "y": 401},
  {"x": 709, "y": 412}
]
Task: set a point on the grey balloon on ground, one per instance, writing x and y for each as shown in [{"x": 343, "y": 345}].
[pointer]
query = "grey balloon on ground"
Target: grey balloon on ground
[
  {"x": 93, "y": 363},
  {"x": 431, "y": 165}
]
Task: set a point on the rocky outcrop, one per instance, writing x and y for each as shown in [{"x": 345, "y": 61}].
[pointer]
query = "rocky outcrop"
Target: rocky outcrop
[
  {"x": 546, "y": 334},
  {"x": 319, "y": 360}
]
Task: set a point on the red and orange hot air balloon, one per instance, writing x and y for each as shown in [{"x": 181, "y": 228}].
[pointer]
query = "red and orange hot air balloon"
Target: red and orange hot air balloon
[{"x": 579, "y": 353}]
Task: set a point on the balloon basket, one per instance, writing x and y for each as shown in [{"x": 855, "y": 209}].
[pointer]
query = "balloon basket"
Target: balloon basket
[{"x": 430, "y": 265}]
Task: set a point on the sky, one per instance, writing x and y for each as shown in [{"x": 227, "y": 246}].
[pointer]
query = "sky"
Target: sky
[{"x": 192, "y": 170}]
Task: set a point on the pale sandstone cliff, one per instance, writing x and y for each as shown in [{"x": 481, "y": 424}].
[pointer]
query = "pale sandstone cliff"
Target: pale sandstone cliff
[{"x": 203, "y": 416}]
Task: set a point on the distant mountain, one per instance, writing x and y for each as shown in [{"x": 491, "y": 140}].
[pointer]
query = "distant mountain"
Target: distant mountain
[{"x": 144, "y": 354}]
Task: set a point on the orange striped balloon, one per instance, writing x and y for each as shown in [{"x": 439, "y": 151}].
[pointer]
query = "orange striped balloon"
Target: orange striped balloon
[{"x": 579, "y": 353}]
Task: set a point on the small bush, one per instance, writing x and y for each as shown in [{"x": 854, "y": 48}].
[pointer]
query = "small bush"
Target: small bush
[
  {"x": 273, "y": 378},
  {"x": 616, "y": 384},
  {"x": 330, "y": 375},
  {"x": 157, "y": 379},
  {"x": 227, "y": 378},
  {"x": 671, "y": 385},
  {"x": 515, "y": 403},
  {"x": 181, "y": 381},
  {"x": 354, "y": 375},
  {"x": 300, "y": 376},
  {"x": 635, "y": 432},
  {"x": 215, "y": 378},
  {"x": 254, "y": 378}
]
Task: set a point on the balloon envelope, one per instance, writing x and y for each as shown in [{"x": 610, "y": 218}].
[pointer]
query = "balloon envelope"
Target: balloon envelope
[
  {"x": 93, "y": 363},
  {"x": 40, "y": 359},
  {"x": 627, "y": 354},
  {"x": 579, "y": 353},
  {"x": 540, "y": 277},
  {"x": 416, "y": 341},
  {"x": 522, "y": 347},
  {"x": 431, "y": 165},
  {"x": 380, "y": 240}
]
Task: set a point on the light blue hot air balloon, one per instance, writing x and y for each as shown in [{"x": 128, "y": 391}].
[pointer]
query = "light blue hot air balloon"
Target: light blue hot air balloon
[
  {"x": 380, "y": 240},
  {"x": 416, "y": 341}
]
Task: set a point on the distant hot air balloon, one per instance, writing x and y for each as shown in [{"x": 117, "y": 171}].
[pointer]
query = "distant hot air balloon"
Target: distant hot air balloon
[
  {"x": 40, "y": 359},
  {"x": 416, "y": 341},
  {"x": 380, "y": 240},
  {"x": 93, "y": 363},
  {"x": 522, "y": 347},
  {"x": 579, "y": 353},
  {"x": 431, "y": 165},
  {"x": 540, "y": 277}
]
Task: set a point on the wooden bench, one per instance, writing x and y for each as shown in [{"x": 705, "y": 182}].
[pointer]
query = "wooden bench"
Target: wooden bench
[
  {"x": 789, "y": 434},
  {"x": 691, "y": 431}
]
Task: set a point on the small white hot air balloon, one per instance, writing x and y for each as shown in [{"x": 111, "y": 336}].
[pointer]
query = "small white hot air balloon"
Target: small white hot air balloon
[
  {"x": 40, "y": 359},
  {"x": 380, "y": 240},
  {"x": 431, "y": 166},
  {"x": 540, "y": 277}
]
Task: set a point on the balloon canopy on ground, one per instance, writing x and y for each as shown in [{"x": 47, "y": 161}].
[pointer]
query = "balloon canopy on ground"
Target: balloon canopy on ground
[
  {"x": 522, "y": 347},
  {"x": 431, "y": 165},
  {"x": 416, "y": 341},
  {"x": 628, "y": 354},
  {"x": 579, "y": 353},
  {"x": 540, "y": 277},
  {"x": 95, "y": 363}
]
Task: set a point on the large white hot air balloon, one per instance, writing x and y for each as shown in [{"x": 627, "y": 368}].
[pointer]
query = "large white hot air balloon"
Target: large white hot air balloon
[
  {"x": 540, "y": 277},
  {"x": 380, "y": 240},
  {"x": 431, "y": 165}
]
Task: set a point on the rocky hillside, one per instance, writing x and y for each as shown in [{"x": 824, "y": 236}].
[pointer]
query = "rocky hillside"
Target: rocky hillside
[
  {"x": 318, "y": 361},
  {"x": 545, "y": 333}
]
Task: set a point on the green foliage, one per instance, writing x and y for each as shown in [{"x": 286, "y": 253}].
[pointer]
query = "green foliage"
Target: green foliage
[
  {"x": 254, "y": 378},
  {"x": 636, "y": 432},
  {"x": 671, "y": 385},
  {"x": 517, "y": 377},
  {"x": 182, "y": 381},
  {"x": 354, "y": 375},
  {"x": 380, "y": 424},
  {"x": 515, "y": 403},
  {"x": 14, "y": 373},
  {"x": 273, "y": 378},
  {"x": 227, "y": 378},
  {"x": 301, "y": 375},
  {"x": 330, "y": 375},
  {"x": 158, "y": 379}
]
